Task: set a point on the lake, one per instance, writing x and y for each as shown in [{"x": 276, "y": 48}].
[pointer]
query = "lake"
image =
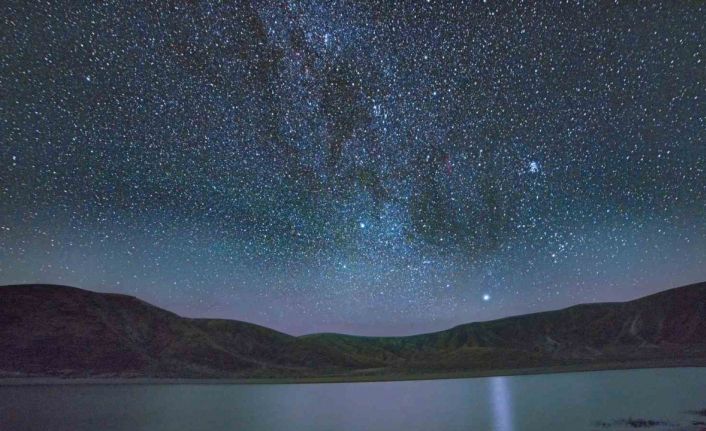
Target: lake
[{"x": 575, "y": 401}]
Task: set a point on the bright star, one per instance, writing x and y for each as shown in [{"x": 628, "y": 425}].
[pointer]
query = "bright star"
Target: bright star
[
  {"x": 534, "y": 167},
  {"x": 362, "y": 225},
  {"x": 486, "y": 297}
]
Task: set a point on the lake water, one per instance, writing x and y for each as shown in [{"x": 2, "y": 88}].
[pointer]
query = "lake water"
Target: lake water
[{"x": 561, "y": 402}]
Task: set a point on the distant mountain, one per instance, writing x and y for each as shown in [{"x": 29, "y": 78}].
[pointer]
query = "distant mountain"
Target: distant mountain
[{"x": 48, "y": 330}]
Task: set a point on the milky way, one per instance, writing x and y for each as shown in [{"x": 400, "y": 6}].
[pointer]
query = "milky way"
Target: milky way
[{"x": 369, "y": 167}]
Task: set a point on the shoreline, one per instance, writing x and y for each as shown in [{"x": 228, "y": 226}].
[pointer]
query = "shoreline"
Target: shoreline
[{"x": 366, "y": 378}]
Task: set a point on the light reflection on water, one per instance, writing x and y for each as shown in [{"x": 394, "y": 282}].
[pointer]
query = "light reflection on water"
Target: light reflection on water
[{"x": 501, "y": 404}]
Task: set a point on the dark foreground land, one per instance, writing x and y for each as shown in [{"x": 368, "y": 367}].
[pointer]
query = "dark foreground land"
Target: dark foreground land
[{"x": 57, "y": 334}]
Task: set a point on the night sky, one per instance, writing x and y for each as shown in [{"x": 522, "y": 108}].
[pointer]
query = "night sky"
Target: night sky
[{"x": 367, "y": 167}]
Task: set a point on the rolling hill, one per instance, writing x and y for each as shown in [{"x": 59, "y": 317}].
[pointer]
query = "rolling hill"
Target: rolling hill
[{"x": 48, "y": 330}]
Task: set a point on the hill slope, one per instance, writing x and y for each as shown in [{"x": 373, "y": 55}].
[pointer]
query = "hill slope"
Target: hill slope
[
  {"x": 54, "y": 330},
  {"x": 669, "y": 325}
]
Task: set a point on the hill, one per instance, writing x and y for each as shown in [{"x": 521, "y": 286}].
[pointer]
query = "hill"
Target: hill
[
  {"x": 669, "y": 325},
  {"x": 48, "y": 330},
  {"x": 58, "y": 330}
]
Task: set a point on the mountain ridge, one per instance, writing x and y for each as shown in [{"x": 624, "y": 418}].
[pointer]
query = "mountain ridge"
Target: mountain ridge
[{"x": 53, "y": 330}]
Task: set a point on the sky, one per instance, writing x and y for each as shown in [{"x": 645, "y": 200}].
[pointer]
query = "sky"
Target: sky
[{"x": 367, "y": 167}]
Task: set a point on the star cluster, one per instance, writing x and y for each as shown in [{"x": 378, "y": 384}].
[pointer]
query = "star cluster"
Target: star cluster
[{"x": 373, "y": 167}]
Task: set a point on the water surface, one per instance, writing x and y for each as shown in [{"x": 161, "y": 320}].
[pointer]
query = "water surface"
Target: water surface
[{"x": 574, "y": 401}]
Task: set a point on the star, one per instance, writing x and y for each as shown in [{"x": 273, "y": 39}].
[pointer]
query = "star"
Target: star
[{"x": 246, "y": 152}]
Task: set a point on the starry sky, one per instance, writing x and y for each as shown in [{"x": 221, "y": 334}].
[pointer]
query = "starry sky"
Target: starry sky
[{"x": 370, "y": 167}]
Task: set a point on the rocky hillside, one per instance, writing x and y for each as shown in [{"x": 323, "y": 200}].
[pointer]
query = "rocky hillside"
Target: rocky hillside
[{"x": 670, "y": 325}]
